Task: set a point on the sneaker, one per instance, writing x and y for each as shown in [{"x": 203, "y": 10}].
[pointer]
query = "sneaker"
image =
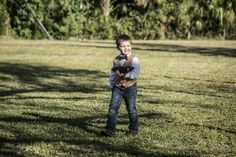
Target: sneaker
[
  {"x": 107, "y": 133},
  {"x": 131, "y": 133}
]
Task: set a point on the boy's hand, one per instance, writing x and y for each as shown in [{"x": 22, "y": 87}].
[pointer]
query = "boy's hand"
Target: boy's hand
[
  {"x": 121, "y": 56},
  {"x": 122, "y": 62}
]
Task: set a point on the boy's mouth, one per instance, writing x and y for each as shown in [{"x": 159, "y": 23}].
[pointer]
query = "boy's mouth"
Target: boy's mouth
[{"x": 126, "y": 52}]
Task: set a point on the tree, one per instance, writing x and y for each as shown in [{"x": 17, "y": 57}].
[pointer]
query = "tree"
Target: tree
[
  {"x": 184, "y": 17},
  {"x": 228, "y": 17},
  {"x": 222, "y": 15},
  {"x": 4, "y": 19},
  {"x": 107, "y": 8},
  {"x": 104, "y": 19}
]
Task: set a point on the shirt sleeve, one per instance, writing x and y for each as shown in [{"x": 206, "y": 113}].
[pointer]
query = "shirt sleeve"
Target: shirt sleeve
[
  {"x": 111, "y": 81},
  {"x": 135, "y": 72}
]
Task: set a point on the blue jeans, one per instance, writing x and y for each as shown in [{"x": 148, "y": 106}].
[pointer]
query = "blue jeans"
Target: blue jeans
[{"x": 129, "y": 95}]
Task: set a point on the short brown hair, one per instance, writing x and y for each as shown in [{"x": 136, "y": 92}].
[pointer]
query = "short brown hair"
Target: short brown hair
[{"x": 121, "y": 38}]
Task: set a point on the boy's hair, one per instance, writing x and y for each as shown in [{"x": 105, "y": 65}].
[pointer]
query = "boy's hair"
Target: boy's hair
[{"x": 122, "y": 38}]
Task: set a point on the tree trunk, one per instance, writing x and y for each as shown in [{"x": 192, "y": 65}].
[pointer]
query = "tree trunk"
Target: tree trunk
[
  {"x": 4, "y": 19},
  {"x": 142, "y": 3},
  {"x": 225, "y": 33},
  {"x": 106, "y": 7},
  {"x": 81, "y": 4},
  {"x": 161, "y": 31},
  {"x": 189, "y": 34}
]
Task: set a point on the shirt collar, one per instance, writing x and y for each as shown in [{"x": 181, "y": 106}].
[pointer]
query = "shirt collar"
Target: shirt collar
[{"x": 127, "y": 54}]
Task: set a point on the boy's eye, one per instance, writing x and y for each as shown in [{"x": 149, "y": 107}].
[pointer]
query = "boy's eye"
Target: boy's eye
[{"x": 125, "y": 46}]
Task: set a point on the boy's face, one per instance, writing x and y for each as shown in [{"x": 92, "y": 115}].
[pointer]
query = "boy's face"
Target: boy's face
[{"x": 125, "y": 47}]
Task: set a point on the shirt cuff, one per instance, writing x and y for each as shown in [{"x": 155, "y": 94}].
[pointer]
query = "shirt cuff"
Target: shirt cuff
[{"x": 128, "y": 75}]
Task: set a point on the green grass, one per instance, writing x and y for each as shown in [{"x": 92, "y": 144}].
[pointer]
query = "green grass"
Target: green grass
[{"x": 54, "y": 99}]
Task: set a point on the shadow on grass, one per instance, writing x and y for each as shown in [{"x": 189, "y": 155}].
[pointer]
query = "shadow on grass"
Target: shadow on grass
[
  {"x": 89, "y": 124},
  {"x": 210, "y": 127},
  {"x": 194, "y": 79},
  {"x": 218, "y": 91},
  {"x": 100, "y": 144},
  {"x": 48, "y": 79},
  {"x": 208, "y": 51}
]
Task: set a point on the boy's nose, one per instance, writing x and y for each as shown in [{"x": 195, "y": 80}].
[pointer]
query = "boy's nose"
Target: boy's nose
[{"x": 126, "y": 47}]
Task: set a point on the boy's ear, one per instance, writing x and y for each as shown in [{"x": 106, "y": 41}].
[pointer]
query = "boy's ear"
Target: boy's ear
[{"x": 117, "y": 48}]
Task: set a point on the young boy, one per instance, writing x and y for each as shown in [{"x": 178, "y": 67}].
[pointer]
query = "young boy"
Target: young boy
[{"x": 123, "y": 82}]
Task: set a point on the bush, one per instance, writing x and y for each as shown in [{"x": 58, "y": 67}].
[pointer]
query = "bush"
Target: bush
[{"x": 4, "y": 19}]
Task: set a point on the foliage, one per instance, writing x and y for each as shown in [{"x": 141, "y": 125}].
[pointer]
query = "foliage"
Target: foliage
[
  {"x": 143, "y": 19},
  {"x": 4, "y": 18}
]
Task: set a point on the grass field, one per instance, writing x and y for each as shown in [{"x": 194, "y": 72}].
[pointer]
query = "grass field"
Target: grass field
[{"x": 54, "y": 99}]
